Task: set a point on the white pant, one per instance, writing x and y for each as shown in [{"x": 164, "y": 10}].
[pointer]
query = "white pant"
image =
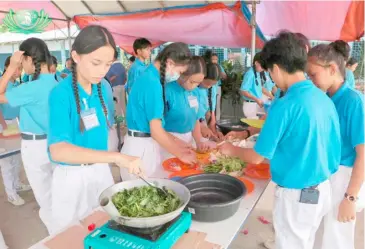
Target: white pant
[
  {"x": 250, "y": 109},
  {"x": 296, "y": 223},
  {"x": 2, "y": 242},
  {"x": 10, "y": 169},
  {"x": 218, "y": 108},
  {"x": 119, "y": 94},
  {"x": 186, "y": 137},
  {"x": 39, "y": 169},
  {"x": 338, "y": 235},
  {"x": 149, "y": 151},
  {"x": 76, "y": 191}
]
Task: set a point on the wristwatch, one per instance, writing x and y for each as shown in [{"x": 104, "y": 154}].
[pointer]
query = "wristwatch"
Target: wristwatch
[{"x": 351, "y": 197}]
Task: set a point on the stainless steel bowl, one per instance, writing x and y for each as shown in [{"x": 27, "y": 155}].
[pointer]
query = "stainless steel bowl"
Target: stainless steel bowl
[{"x": 106, "y": 203}]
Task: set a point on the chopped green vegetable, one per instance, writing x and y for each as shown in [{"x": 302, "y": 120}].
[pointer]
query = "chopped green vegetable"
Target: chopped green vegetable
[
  {"x": 145, "y": 201},
  {"x": 228, "y": 164}
]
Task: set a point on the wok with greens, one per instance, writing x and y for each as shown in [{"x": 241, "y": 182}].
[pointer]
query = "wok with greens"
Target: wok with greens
[
  {"x": 225, "y": 164},
  {"x": 145, "y": 201}
]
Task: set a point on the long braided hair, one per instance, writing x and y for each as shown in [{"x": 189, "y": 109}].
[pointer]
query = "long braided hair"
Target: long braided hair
[
  {"x": 180, "y": 54},
  {"x": 87, "y": 41},
  {"x": 257, "y": 59},
  {"x": 36, "y": 49},
  {"x": 213, "y": 73}
]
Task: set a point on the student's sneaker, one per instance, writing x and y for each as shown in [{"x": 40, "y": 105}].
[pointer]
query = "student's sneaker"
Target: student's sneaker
[
  {"x": 16, "y": 200},
  {"x": 23, "y": 187}
]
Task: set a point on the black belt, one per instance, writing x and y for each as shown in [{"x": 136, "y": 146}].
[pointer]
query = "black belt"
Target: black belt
[
  {"x": 312, "y": 187},
  {"x": 33, "y": 137},
  {"x": 138, "y": 134},
  {"x": 84, "y": 164},
  {"x": 250, "y": 101}
]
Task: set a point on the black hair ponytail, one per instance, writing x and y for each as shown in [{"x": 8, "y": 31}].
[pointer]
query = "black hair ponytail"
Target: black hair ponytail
[
  {"x": 162, "y": 80},
  {"x": 37, "y": 65},
  {"x": 76, "y": 94},
  {"x": 105, "y": 110},
  {"x": 336, "y": 52},
  {"x": 6, "y": 64},
  {"x": 179, "y": 53},
  {"x": 213, "y": 73},
  {"x": 210, "y": 104},
  {"x": 257, "y": 59},
  {"x": 87, "y": 41},
  {"x": 36, "y": 49}
]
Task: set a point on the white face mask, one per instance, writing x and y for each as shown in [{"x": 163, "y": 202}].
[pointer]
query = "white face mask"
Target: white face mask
[{"x": 172, "y": 77}]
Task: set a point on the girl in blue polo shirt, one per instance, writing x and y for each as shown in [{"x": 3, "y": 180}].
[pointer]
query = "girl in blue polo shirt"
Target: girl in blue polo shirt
[
  {"x": 80, "y": 117},
  {"x": 251, "y": 89},
  {"x": 301, "y": 139},
  {"x": 10, "y": 166},
  {"x": 146, "y": 109},
  {"x": 53, "y": 69},
  {"x": 207, "y": 103},
  {"x": 182, "y": 106},
  {"x": 326, "y": 66},
  {"x": 32, "y": 98}
]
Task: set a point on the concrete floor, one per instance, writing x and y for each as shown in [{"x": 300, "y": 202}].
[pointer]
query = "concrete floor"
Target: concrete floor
[{"x": 22, "y": 227}]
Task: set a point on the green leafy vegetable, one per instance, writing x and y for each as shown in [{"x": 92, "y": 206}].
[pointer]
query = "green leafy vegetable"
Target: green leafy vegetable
[
  {"x": 228, "y": 164},
  {"x": 145, "y": 201}
]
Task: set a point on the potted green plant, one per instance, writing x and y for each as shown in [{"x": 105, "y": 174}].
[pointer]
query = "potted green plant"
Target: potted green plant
[{"x": 231, "y": 96}]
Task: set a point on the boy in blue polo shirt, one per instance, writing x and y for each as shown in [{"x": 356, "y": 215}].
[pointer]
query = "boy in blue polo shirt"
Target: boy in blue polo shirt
[
  {"x": 301, "y": 139},
  {"x": 251, "y": 89},
  {"x": 142, "y": 48}
]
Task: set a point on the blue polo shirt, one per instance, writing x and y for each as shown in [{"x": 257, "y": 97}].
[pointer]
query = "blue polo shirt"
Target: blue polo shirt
[
  {"x": 350, "y": 78},
  {"x": 181, "y": 108},
  {"x": 204, "y": 103},
  {"x": 58, "y": 76},
  {"x": 249, "y": 84},
  {"x": 350, "y": 108},
  {"x": 302, "y": 141},
  {"x": 64, "y": 122},
  {"x": 66, "y": 71},
  {"x": 9, "y": 112},
  {"x": 134, "y": 71},
  {"x": 32, "y": 98},
  {"x": 145, "y": 101}
]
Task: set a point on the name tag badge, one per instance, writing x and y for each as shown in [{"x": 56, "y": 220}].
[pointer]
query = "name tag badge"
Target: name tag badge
[
  {"x": 193, "y": 101},
  {"x": 90, "y": 118}
]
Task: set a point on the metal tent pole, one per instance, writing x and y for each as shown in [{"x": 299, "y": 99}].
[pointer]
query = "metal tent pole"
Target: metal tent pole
[
  {"x": 69, "y": 37},
  {"x": 253, "y": 31}
]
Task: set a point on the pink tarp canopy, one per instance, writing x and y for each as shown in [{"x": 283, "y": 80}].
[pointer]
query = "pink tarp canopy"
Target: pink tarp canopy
[
  {"x": 318, "y": 20},
  {"x": 213, "y": 25}
]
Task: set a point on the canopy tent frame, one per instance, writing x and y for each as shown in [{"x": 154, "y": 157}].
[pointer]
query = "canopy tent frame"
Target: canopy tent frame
[{"x": 68, "y": 19}]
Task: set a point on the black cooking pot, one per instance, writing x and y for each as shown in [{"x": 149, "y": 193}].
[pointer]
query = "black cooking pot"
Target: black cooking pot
[
  {"x": 227, "y": 125},
  {"x": 214, "y": 197}
]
